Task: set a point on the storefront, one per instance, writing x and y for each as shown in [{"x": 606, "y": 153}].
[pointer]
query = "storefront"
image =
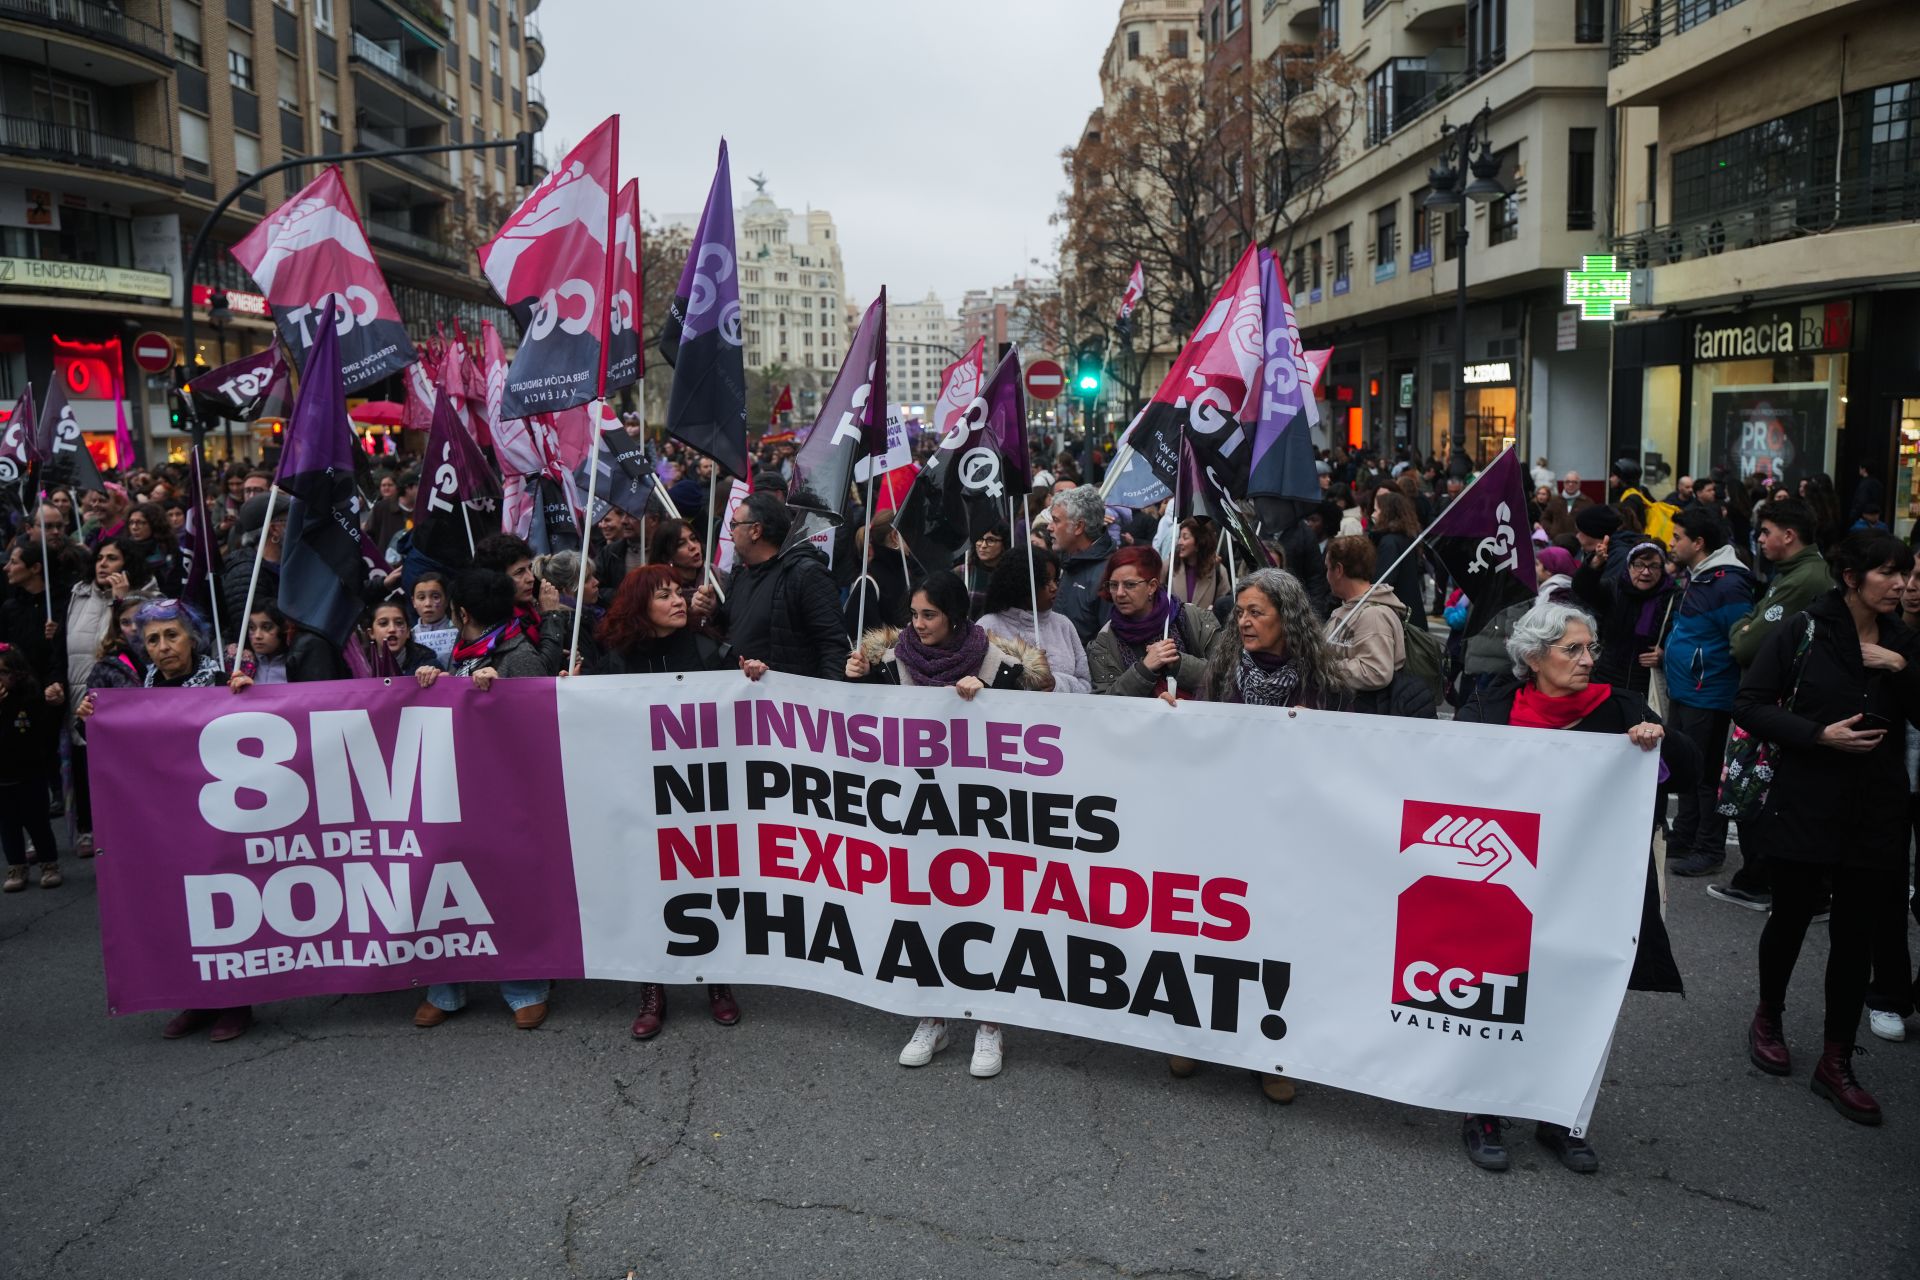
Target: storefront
[{"x": 1815, "y": 385}]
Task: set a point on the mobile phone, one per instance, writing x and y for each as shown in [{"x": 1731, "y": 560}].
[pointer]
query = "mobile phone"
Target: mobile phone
[{"x": 1870, "y": 722}]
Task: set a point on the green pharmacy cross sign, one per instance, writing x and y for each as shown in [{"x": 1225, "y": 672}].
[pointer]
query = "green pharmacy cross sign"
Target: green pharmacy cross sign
[{"x": 1599, "y": 287}]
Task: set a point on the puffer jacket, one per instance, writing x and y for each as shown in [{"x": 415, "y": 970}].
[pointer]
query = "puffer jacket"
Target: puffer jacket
[
  {"x": 1079, "y": 600},
  {"x": 1699, "y": 666},
  {"x": 1797, "y": 583},
  {"x": 1009, "y": 664},
  {"x": 88, "y": 610}
]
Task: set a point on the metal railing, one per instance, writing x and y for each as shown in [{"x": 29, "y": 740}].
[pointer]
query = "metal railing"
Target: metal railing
[
  {"x": 1660, "y": 20},
  {"x": 93, "y": 18},
  {"x": 86, "y": 147},
  {"x": 418, "y": 245},
  {"x": 389, "y": 64},
  {"x": 1855, "y": 202},
  {"x": 426, "y": 166},
  {"x": 1437, "y": 87},
  {"x": 536, "y": 99}
]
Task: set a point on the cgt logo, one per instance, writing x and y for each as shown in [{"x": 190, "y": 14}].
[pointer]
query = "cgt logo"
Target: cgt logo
[{"x": 1465, "y": 932}]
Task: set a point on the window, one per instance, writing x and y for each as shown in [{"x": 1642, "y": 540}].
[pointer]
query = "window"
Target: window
[
  {"x": 1393, "y": 92},
  {"x": 246, "y": 154},
  {"x": 1329, "y": 24},
  {"x": 289, "y": 87},
  {"x": 1450, "y": 234},
  {"x": 1580, "y": 179},
  {"x": 1486, "y": 34},
  {"x": 327, "y": 101},
  {"x": 1422, "y": 225},
  {"x": 1386, "y": 234},
  {"x": 322, "y": 15},
  {"x": 187, "y": 39},
  {"x": 1342, "y": 253},
  {"x": 1133, "y": 45},
  {"x": 1177, "y": 44},
  {"x": 1503, "y": 213},
  {"x": 1273, "y": 180},
  {"x": 1297, "y": 278},
  {"x": 1589, "y": 21},
  {"x": 239, "y": 59},
  {"x": 493, "y": 56},
  {"x": 1213, "y": 25},
  {"x": 196, "y": 146},
  {"x": 1234, "y": 15},
  {"x": 1234, "y": 176},
  {"x": 1313, "y": 266}
]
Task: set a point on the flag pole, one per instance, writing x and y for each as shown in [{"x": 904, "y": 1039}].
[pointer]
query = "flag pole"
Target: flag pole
[
  {"x": 1413, "y": 546},
  {"x": 253, "y": 579},
  {"x": 46, "y": 565},
  {"x": 580, "y": 588},
  {"x": 1033, "y": 589},
  {"x": 866, "y": 561},
  {"x": 204, "y": 532},
  {"x": 1166, "y": 628},
  {"x": 466, "y": 518}
]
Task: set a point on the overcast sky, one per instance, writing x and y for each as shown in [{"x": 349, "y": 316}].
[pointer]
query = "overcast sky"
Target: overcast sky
[{"x": 931, "y": 132}]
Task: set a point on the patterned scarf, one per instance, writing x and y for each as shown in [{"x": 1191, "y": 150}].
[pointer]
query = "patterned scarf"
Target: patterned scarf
[
  {"x": 1265, "y": 680},
  {"x": 481, "y": 646},
  {"x": 945, "y": 664}
]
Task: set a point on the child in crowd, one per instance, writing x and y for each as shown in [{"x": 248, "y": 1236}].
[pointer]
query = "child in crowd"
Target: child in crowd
[
  {"x": 268, "y": 635},
  {"x": 435, "y": 628},
  {"x": 395, "y": 650}
]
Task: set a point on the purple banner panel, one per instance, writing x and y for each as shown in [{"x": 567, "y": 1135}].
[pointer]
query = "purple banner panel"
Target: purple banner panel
[{"x": 347, "y": 836}]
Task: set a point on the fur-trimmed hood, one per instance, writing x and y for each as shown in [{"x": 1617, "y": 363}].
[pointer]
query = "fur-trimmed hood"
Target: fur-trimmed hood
[{"x": 1035, "y": 672}]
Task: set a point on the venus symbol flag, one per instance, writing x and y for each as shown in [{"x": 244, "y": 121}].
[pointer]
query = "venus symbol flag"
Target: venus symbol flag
[
  {"x": 980, "y": 465},
  {"x": 552, "y": 264},
  {"x": 707, "y": 405},
  {"x": 1484, "y": 541},
  {"x": 311, "y": 251}
]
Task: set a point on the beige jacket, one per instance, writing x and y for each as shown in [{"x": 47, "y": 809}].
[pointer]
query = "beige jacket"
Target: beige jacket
[{"x": 1373, "y": 647}]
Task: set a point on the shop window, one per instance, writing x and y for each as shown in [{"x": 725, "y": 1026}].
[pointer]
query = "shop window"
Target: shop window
[{"x": 1776, "y": 417}]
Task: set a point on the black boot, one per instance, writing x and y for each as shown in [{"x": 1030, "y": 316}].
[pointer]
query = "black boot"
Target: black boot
[
  {"x": 1575, "y": 1153},
  {"x": 1484, "y": 1148}
]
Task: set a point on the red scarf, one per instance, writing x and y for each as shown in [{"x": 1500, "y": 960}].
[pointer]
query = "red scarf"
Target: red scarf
[
  {"x": 481, "y": 646},
  {"x": 1533, "y": 709}
]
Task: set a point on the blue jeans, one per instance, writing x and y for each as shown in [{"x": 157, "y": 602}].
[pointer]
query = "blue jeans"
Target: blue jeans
[{"x": 452, "y": 996}]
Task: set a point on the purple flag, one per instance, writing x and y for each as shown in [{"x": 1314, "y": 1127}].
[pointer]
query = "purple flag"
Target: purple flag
[
  {"x": 20, "y": 442},
  {"x": 965, "y": 485},
  {"x": 1282, "y": 462},
  {"x": 197, "y": 546},
  {"x": 707, "y": 406},
  {"x": 1484, "y": 541},
  {"x": 67, "y": 459},
  {"x": 845, "y": 431},
  {"x": 321, "y": 571},
  {"x": 453, "y": 473},
  {"x": 251, "y": 387}
]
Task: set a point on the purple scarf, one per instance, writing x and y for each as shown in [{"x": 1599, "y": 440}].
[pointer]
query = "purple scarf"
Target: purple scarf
[
  {"x": 946, "y": 664},
  {"x": 1138, "y": 633}
]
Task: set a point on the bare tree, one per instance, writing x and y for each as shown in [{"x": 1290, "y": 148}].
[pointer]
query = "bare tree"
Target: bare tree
[{"x": 1181, "y": 174}]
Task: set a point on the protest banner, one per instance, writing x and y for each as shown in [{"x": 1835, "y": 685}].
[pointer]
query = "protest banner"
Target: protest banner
[{"x": 1455, "y": 931}]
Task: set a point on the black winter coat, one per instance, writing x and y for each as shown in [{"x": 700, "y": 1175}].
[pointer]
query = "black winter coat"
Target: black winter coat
[
  {"x": 1654, "y": 968},
  {"x": 1829, "y": 807},
  {"x": 23, "y": 624},
  {"x": 1405, "y": 582},
  {"x": 684, "y": 650},
  {"x": 312, "y": 656},
  {"x": 1617, "y": 607},
  {"x": 785, "y": 612}
]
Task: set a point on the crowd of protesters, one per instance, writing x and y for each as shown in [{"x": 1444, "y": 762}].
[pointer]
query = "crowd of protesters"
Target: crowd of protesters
[{"x": 1724, "y": 609}]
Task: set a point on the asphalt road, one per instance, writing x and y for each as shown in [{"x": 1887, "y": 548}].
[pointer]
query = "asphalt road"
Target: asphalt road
[{"x": 336, "y": 1140}]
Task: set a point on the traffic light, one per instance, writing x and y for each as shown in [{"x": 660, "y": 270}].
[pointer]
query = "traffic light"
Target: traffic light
[
  {"x": 523, "y": 159},
  {"x": 1086, "y": 374}
]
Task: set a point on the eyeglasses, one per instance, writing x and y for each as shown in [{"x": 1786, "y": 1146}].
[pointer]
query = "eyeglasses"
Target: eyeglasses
[
  {"x": 1130, "y": 586},
  {"x": 1572, "y": 652},
  {"x": 740, "y": 524}
]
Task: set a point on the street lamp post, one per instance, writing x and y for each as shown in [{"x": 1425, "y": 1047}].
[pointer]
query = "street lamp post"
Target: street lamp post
[{"x": 1465, "y": 149}]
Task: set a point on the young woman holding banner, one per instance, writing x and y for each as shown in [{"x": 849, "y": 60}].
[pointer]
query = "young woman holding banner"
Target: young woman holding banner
[
  {"x": 1272, "y": 656},
  {"x": 1553, "y": 650},
  {"x": 1150, "y": 636},
  {"x": 942, "y": 649},
  {"x": 1009, "y": 615},
  {"x": 645, "y": 632}
]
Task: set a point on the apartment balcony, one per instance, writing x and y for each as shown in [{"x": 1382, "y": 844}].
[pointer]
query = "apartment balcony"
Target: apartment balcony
[
  {"x": 88, "y": 148},
  {"x": 1304, "y": 14},
  {"x": 536, "y": 47},
  {"x": 1433, "y": 15},
  {"x": 1818, "y": 211},
  {"x": 536, "y": 108},
  {"x": 528, "y": 6},
  {"x": 406, "y": 241},
  {"x": 432, "y": 168},
  {"x": 388, "y": 66},
  {"x": 1670, "y": 45},
  {"x": 137, "y": 50}
]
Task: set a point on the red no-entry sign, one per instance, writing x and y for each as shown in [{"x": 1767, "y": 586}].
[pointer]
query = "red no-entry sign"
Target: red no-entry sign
[
  {"x": 1045, "y": 379},
  {"x": 153, "y": 352}
]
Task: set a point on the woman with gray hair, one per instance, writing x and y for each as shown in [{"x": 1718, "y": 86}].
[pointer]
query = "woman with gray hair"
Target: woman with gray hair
[
  {"x": 1552, "y": 648},
  {"x": 1273, "y": 656}
]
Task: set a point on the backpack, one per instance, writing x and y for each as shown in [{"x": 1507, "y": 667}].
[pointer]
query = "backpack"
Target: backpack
[{"x": 1425, "y": 658}]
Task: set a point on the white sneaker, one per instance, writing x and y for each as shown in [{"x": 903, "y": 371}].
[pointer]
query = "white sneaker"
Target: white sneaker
[
  {"x": 986, "y": 1053},
  {"x": 1888, "y": 1026},
  {"x": 929, "y": 1038}
]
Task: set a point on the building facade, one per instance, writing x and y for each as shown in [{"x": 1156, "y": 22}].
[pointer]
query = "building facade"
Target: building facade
[
  {"x": 122, "y": 124},
  {"x": 1374, "y": 273},
  {"x": 1772, "y": 226},
  {"x": 920, "y": 345},
  {"x": 793, "y": 304}
]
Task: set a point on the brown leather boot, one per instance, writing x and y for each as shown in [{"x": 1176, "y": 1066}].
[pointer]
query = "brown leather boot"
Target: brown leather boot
[
  {"x": 1833, "y": 1080},
  {"x": 1767, "y": 1042},
  {"x": 653, "y": 1011}
]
